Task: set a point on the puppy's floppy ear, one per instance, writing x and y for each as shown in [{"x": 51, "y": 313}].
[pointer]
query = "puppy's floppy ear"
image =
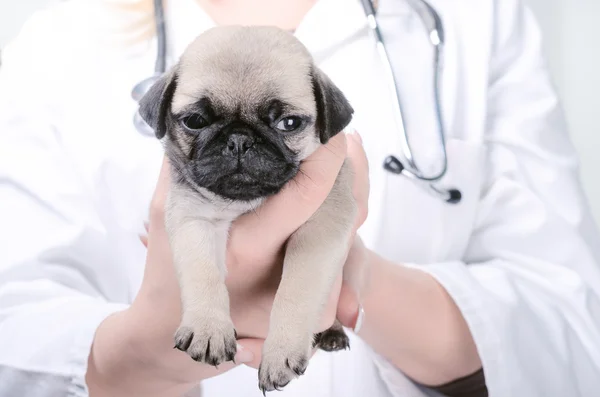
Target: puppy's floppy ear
[
  {"x": 334, "y": 112},
  {"x": 154, "y": 105}
]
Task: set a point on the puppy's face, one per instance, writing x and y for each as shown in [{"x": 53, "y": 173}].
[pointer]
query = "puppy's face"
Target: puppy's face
[{"x": 242, "y": 109}]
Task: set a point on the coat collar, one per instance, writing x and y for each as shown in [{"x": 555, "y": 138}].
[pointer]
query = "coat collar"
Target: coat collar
[{"x": 328, "y": 22}]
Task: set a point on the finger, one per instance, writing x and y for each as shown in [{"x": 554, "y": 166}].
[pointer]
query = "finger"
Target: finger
[
  {"x": 144, "y": 237},
  {"x": 159, "y": 199},
  {"x": 348, "y": 306},
  {"x": 285, "y": 212},
  {"x": 254, "y": 346},
  {"x": 360, "y": 168},
  {"x": 355, "y": 276},
  {"x": 159, "y": 274},
  {"x": 156, "y": 238}
]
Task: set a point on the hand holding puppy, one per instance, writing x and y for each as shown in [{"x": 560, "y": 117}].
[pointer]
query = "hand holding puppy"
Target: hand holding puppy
[
  {"x": 133, "y": 352},
  {"x": 239, "y": 115}
]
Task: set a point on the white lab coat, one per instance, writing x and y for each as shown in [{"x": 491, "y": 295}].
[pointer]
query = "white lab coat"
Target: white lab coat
[{"x": 519, "y": 254}]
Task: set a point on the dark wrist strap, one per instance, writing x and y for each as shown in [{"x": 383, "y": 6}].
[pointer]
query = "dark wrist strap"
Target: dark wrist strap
[{"x": 469, "y": 386}]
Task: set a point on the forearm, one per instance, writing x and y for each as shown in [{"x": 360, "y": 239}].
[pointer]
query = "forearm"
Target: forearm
[
  {"x": 122, "y": 363},
  {"x": 413, "y": 322}
]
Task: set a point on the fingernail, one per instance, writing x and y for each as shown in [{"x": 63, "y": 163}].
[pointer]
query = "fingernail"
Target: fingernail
[
  {"x": 359, "y": 319},
  {"x": 144, "y": 240},
  {"x": 243, "y": 356}
]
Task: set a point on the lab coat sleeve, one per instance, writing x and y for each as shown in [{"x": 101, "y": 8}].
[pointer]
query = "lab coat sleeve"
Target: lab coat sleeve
[
  {"x": 529, "y": 283},
  {"x": 54, "y": 289}
]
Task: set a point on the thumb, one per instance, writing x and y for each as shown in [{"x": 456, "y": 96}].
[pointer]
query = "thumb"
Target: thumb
[
  {"x": 280, "y": 215},
  {"x": 245, "y": 354},
  {"x": 356, "y": 276},
  {"x": 249, "y": 352},
  {"x": 348, "y": 309}
]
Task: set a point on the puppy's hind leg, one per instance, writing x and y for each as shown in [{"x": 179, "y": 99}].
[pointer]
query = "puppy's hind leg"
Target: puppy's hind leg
[
  {"x": 314, "y": 258},
  {"x": 332, "y": 339},
  {"x": 335, "y": 338}
]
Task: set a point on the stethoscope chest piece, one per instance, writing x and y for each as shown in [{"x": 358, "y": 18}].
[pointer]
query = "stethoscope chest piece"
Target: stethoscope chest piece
[
  {"x": 141, "y": 88},
  {"x": 395, "y": 166},
  {"x": 137, "y": 93}
]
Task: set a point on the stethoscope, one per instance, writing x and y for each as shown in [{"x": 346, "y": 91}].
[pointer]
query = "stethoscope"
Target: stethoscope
[{"x": 435, "y": 30}]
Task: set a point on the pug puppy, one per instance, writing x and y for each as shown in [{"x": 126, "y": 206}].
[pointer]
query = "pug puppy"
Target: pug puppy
[{"x": 238, "y": 114}]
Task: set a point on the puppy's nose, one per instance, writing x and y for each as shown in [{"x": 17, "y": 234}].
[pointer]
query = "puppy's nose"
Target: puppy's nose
[{"x": 238, "y": 144}]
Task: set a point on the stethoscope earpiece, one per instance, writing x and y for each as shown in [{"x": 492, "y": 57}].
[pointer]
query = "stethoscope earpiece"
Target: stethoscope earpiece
[
  {"x": 141, "y": 88},
  {"x": 137, "y": 93}
]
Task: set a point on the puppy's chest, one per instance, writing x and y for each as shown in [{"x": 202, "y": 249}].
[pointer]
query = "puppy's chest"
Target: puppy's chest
[{"x": 186, "y": 202}]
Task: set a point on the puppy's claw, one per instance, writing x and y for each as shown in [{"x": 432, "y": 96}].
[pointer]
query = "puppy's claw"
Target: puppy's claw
[
  {"x": 280, "y": 366},
  {"x": 183, "y": 338},
  {"x": 211, "y": 345},
  {"x": 298, "y": 369}
]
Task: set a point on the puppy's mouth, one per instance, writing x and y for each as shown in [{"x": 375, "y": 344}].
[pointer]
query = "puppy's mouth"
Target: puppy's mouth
[
  {"x": 242, "y": 187},
  {"x": 258, "y": 173}
]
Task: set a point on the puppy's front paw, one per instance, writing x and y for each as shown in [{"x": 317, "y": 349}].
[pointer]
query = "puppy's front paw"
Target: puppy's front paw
[
  {"x": 207, "y": 339},
  {"x": 280, "y": 364}
]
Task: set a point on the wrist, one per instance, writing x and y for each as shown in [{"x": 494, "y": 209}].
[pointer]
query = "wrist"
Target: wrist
[
  {"x": 122, "y": 362},
  {"x": 412, "y": 322}
]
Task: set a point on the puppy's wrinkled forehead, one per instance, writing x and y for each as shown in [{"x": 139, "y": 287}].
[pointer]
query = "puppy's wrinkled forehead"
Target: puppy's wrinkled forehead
[{"x": 239, "y": 69}]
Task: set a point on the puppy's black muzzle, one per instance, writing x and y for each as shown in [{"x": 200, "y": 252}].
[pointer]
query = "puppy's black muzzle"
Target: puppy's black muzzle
[{"x": 239, "y": 162}]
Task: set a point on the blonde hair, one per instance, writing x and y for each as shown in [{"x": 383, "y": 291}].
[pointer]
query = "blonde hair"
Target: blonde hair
[{"x": 133, "y": 19}]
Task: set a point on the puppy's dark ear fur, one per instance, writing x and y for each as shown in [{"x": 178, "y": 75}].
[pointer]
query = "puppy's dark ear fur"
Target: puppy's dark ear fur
[
  {"x": 334, "y": 112},
  {"x": 154, "y": 106}
]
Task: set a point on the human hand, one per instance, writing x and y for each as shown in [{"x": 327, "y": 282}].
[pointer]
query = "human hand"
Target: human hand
[
  {"x": 254, "y": 274},
  {"x": 133, "y": 352},
  {"x": 254, "y": 261}
]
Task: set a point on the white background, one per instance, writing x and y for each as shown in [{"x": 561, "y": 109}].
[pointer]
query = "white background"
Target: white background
[
  {"x": 572, "y": 46},
  {"x": 573, "y": 49}
]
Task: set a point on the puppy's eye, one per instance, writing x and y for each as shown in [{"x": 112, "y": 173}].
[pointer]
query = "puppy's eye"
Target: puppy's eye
[
  {"x": 289, "y": 123},
  {"x": 194, "y": 122}
]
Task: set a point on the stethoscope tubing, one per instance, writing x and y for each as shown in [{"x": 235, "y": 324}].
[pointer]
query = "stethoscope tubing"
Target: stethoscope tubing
[{"x": 161, "y": 36}]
